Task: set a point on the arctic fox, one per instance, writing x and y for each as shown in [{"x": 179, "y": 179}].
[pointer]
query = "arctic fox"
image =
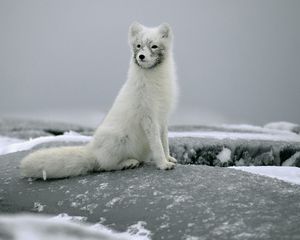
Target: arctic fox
[{"x": 135, "y": 128}]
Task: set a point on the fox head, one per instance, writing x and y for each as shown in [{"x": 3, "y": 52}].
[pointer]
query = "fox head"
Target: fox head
[{"x": 150, "y": 46}]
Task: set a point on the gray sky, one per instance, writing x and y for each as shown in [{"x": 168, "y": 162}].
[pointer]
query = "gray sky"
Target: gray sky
[{"x": 237, "y": 61}]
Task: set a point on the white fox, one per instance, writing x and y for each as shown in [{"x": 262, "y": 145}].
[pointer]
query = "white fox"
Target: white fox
[{"x": 135, "y": 128}]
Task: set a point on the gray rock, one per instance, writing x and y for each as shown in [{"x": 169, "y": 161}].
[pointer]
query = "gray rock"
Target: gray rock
[{"x": 192, "y": 200}]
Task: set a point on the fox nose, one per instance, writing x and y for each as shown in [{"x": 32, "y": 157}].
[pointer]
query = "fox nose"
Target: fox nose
[{"x": 142, "y": 56}]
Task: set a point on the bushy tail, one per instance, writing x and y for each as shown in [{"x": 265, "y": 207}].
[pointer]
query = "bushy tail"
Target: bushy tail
[{"x": 58, "y": 162}]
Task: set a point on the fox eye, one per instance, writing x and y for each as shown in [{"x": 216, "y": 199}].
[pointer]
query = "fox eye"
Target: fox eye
[
  {"x": 138, "y": 46},
  {"x": 154, "y": 46}
]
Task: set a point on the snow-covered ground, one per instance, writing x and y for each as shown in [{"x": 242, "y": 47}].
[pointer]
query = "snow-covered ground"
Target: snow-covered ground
[
  {"x": 270, "y": 132},
  {"x": 10, "y": 145},
  {"x": 7, "y": 141},
  {"x": 281, "y": 136},
  {"x": 64, "y": 227},
  {"x": 287, "y": 126},
  {"x": 289, "y": 174}
]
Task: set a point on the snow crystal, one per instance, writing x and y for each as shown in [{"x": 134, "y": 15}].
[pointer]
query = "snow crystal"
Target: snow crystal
[
  {"x": 90, "y": 207},
  {"x": 177, "y": 200},
  {"x": 83, "y": 181},
  {"x": 190, "y": 224},
  {"x": 102, "y": 186},
  {"x": 189, "y": 237},
  {"x": 75, "y": 204},
  {"x": 164, "y": 225},
  {"x": 113, "y": 201}
]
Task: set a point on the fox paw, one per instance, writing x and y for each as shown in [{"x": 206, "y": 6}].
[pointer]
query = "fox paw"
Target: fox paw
[
  {"x": 171, "y": 159},
  {"x": 130, "y": 163},
  {"x": 166, "y": 165}
]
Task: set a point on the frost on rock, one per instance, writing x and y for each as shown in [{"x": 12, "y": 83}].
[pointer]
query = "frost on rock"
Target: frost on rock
[
  {"x": 38, "y": 207},
  {"x": 139, "y": 231},
  {"x": 225, "y": 155},
  {"x": 66, "y": 217},
  {"x": 236, "y": 145},
  {"x": 112, "y": 202}
]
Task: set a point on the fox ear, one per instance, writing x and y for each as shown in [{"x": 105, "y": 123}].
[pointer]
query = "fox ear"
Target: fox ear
[
  {"x": 165, "y": 30},
  {"x": 134, "y": 29}
]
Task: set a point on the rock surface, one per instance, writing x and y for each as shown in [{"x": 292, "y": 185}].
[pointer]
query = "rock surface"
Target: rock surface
[{"x": 190, "y": 201}]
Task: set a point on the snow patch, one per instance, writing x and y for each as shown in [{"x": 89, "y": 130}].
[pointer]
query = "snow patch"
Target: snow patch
[
  {"x": 285, "y": 126},
  {"x": 66, "y": 217},
  {"x": 282, "y": 136},
  {"x": 288, "y": 174},
  {"x": 225, "y": 155},
  {"x": 112, "y": 202},
  {"x": 38, "y": 207},
  {"x": 65, "y": 227},
  {"x": 139, "y": 230},
  {"x": 6, "y": 141},
  {"x": 11, "y": 145},
  {"x": 26, "y": 145},
  {"x": 253, "y": 128},
  {"x": 44, "y": 175}
]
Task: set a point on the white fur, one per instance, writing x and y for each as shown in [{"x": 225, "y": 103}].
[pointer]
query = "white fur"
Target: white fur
[{"x": 134, "y": 130}]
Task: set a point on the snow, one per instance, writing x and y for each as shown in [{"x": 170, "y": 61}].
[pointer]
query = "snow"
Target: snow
[
  {"x": 288, "y": 174},
  {"x": 273, "y": 127},
  {"x": 38, "y": 207},
  {"x": 253, "y": 128},
  {"x": 10, "y": 145},
  {"x": 6, "y": 141},
  {"x": 26, "y": 145},
  {"x": 281, "y": 136},
  {"x": 225, "y": 155},
  {"x": 44, "y": 175},
  {"x": 286, "y": 126},
  {"x": 65, "y": 227}
]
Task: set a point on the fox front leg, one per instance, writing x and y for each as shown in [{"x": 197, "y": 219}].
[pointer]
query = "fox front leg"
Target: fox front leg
[
  {"x": 165, "y": 143},
  {"x": 152, "y": 133}
]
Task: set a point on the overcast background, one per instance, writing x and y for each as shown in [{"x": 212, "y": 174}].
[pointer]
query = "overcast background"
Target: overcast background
[{"x": 237, "y": 61}]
